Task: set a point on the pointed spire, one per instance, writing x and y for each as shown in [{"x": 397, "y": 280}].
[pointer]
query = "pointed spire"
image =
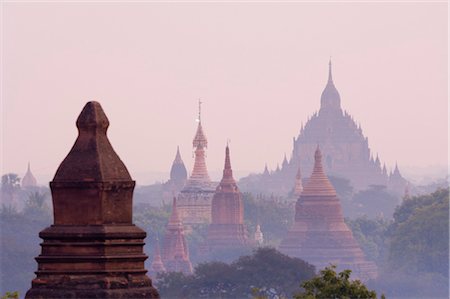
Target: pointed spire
[
  {"x": 266, "y": 170},
  {"x": 285, "y": 161},
  {"x": 28, "y": 168},
  {"x": 28, "y": 179},
  {"x": 330, "y": 76},
  {"x": 157, "y": 265},
  {"x": 318, "y": 183},
  {"x": 178, "y": 159},
  {"x": 227, "y": 178}
]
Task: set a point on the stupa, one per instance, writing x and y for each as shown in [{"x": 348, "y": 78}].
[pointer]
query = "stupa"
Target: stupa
[
  {"x": 28, "y": 179},
  {"x": 319, "y": 234},
  {"x": 175, "y": 255},
  {"x": 194, "y": 200},
  {"x": 92, "y": 250},
  {"x": 227, "y": 230},
  {"x": 157, "y": 264},
  {"x": 178, "y": 177}
]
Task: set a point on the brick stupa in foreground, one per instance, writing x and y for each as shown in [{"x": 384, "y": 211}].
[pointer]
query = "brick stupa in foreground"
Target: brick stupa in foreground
[
  {"x": 93, "y": 250},
  {"x": 319, "y": 234}
]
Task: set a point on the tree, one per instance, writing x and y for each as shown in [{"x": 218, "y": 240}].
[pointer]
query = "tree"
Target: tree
[
  {"x": 420, "y": 234},
  {"x": 375, "y": 202},
  {"x": 10, "y": 185},
  {"x": 330, "y": 285},
  {"x": 270, "y": 272}
]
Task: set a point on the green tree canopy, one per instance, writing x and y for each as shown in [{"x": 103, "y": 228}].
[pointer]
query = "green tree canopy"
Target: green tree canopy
[
  {"x": 266, "y": 269},
  {"x": 332, "y": 285}
]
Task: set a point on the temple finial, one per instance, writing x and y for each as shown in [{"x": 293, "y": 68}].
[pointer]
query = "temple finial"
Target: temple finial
[
  {"x": 199, "y": 110},
  {"x": 330, "y": 76}
]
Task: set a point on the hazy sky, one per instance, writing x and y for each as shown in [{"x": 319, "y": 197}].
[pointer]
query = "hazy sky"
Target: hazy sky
[{"x": 259, "y": 67}]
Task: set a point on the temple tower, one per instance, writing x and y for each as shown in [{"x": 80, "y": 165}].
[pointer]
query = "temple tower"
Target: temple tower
[
  {"x": 319, "y": 234},
  {"x": 227, "y": 230},
  {"x": 194, "y": 200},
  {"x": 178, "y": 177},
  {"x": 157, "y": 264},
  {"x": 93, "y": 250},
  {"x": 175, "y": 255},
  {"x": 28, "y": 179}
]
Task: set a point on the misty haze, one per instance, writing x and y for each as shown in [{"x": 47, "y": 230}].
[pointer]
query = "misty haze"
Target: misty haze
[{"x": 224, "y": 150}]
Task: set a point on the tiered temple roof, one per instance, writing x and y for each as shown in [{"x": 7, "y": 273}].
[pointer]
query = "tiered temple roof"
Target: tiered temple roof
[{"x": 319, "y": 234}]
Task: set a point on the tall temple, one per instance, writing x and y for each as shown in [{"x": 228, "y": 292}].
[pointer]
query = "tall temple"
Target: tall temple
[
  {"x": 227, "y": 230},
  {"x": 175, "y": 255},
  {"x": 178, "y": 177},
  {"x": 194, "y": 200},
  {"x": 319, "y": 234},
  {"x": 345, "y": 149},
  {"x": 93, "y": 249},
  {"x": 28, "y": 179}
]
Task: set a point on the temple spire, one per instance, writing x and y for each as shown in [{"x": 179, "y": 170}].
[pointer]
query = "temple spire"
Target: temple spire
[
  {"x": 330, "y": 75},
  {"x": 318, "y": 183}
]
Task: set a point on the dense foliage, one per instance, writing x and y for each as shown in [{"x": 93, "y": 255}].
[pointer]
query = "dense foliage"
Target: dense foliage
[
  {"x": 266, "y": 269},
  {"x": 329, "y": 285},
  {"x": 275, "y": 217},
  {"x": 372, "y": 236},
  {"x": 420, "y": 234}
]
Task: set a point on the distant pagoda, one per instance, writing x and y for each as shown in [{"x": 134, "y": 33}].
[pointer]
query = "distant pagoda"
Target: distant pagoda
[
  {"x": 28, "y": 179},
  {"x": 194, "y": 200},
  {"x": 345, "y": 150},
  {"x": 178, "y": 177},
  {"x": 175, "y": 255},
  {"x": 93, "y": 250},
  {"x": 157, "y": 265},
  {"x": 227, "y": 230},
  {"x": 319, "y": 234}
]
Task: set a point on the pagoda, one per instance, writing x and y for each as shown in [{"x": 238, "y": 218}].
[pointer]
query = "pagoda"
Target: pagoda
[
  {"x": 175, "y": 255},
  {"x": 194, "y": 200},
  {"x": 92, "y": 250},
  {"x": 157, "y": 265},
  {"x": 178, "y": 177},
  {"x": 28, "y": 179},
  {"x": 319, "y": 234},
  {"x": 227, "y": 230}
]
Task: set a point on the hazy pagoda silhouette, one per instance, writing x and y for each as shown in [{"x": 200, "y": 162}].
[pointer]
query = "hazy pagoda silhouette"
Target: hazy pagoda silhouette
[
  {"x": 194, "y": 200},
  {"x": 319, "y": 234},
  {"x": 175, "y": 254},
  {"x": 227, "y": 230},
  {"x": 157, "y": 265},
  {"x": 93, "y": 250},
  {"x": 28, "y": 179},
  {"x": 345, "y": 149},
  {"x": 178, "y": 177}
]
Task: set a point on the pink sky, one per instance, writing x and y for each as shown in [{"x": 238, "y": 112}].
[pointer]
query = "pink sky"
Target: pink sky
[{"x": 259, "y": 67}]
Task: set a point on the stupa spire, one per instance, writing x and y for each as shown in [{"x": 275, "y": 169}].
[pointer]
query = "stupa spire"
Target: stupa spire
[
  {"x": 318, "y": 183},
  {"x": 330, "y": 98},
  {"x": 157, "y": 264},
  {"x": 200, "y": 172},
  {"x": 330, "y": 75}
]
